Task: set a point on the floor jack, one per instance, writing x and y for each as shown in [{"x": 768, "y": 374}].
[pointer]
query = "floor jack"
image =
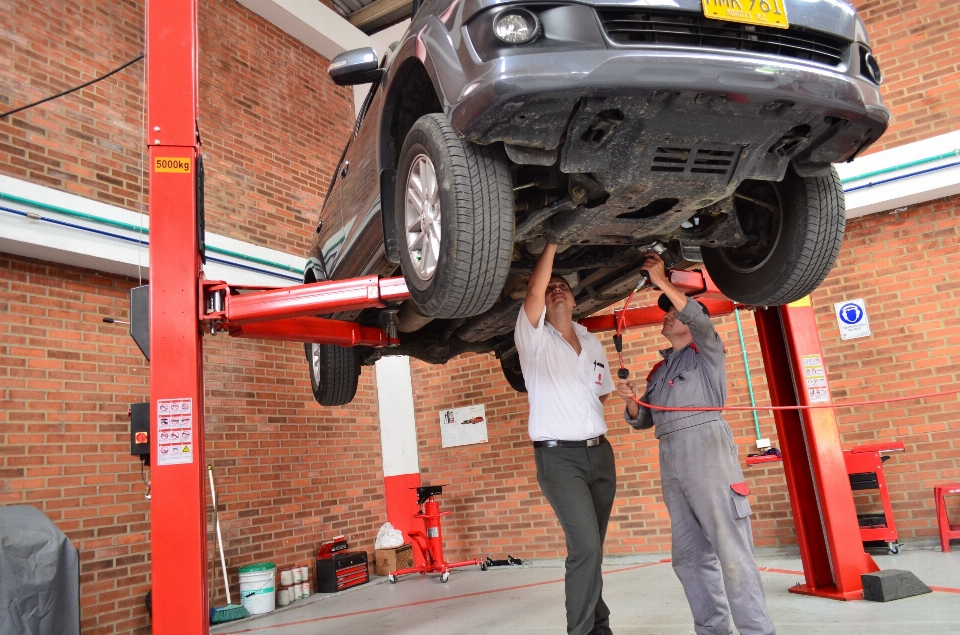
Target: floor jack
[{"x": 431, "y": 544}]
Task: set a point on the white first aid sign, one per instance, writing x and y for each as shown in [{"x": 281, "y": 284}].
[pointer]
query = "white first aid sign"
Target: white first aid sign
[{"x": 852, "y": 319}]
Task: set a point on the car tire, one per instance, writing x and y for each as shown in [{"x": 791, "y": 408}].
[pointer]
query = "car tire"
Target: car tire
[
  {"x": 512, "y": 373},
  {"x": 455, "y": 266},
  {"x": 334, "y": 373},
  {"x": 797, "y": 225}
]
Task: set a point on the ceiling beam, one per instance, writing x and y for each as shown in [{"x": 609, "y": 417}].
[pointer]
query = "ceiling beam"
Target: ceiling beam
[{"x": 380, "y": 14}]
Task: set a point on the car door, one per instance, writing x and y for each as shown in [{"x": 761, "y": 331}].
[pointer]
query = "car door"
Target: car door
[
  {"x": 359, "y": 189},
  {"x": 327, "y": 244}
]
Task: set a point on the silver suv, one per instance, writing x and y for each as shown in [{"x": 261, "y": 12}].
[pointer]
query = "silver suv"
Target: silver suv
[{"x": 710, "y": 127}]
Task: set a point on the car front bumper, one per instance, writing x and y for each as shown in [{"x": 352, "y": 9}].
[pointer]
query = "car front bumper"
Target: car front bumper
[{"x": 529, "y": 100}]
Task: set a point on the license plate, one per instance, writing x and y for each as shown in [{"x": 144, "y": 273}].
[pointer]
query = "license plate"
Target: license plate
[{"x": 761, "y": 12}]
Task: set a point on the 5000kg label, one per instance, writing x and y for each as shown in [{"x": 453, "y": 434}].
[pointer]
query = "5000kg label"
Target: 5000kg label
[{"x": 171, "y": 164}]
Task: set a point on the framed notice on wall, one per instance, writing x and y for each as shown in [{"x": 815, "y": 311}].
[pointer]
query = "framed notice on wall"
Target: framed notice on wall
[{"x": 463, "y": 426}]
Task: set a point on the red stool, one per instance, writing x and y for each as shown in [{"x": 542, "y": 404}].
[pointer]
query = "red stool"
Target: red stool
[{"x": 947, "y": 531}]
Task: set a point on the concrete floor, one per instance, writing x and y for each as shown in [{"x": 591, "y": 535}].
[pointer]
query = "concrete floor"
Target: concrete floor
[{"x": 643, "y": 594}]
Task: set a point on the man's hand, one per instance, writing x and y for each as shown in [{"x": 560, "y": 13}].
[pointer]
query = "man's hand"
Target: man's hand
[
  {"x": 653, "y": 265},
  {"x": 627, "y": 391}
]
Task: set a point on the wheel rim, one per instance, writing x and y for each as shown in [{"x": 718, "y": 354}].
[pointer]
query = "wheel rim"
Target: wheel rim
[
  {"x": 422, "y": 217},
  {"x": 315, "y": 362},
  {"x": 759, "y": 211}
]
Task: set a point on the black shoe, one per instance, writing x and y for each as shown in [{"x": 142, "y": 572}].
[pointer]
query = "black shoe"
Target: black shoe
[{"x": 601, "y": 630}]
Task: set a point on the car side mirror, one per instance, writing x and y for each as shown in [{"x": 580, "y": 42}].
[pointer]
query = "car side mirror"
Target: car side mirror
[{"x": 358, "y": 66}]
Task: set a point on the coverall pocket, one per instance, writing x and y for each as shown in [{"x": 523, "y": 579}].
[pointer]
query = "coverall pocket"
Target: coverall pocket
[
  {"x": 684, "y": 388},
  {"x": 741, "y": 506}
]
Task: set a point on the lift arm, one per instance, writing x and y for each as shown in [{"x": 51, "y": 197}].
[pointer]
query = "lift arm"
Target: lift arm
[
  {"x": 285, "y": 314},
  {"x": 694, "y": 283}
]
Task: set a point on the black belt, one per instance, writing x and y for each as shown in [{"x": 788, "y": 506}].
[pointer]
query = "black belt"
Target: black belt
[{"x": 587, "y": 443}]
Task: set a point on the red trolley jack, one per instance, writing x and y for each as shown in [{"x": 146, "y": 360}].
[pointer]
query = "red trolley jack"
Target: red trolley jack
[{"x": 431, "y": 544}]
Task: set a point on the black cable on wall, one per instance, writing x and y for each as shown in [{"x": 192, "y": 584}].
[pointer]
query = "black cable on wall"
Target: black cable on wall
[{"x": 74, "y": 89}]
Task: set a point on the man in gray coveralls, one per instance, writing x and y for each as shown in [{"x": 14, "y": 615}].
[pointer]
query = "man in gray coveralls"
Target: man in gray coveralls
[
  {"x": 568, "y": 379},
  {"x": 700, "y": 473}
]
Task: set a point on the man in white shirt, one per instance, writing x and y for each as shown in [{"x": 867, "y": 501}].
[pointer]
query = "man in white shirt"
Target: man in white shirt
[{"x": 568, "y": 378}]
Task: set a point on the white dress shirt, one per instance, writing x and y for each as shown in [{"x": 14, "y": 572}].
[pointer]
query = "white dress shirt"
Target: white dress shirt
[{"x": 563, "y": 388}]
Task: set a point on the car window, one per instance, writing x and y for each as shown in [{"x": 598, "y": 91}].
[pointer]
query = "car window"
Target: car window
[{"x": 366, "y": 106}]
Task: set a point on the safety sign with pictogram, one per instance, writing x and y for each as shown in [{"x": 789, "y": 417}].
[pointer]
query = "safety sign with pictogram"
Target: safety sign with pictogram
[
  {"x": 175, "y": 423},
  {"x": 852, "y": 319}
]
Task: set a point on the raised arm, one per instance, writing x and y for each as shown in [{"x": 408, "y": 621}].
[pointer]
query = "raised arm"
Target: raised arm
[
  {"x": 535, "y": 301},
  {"x": 701, "y": 328}
]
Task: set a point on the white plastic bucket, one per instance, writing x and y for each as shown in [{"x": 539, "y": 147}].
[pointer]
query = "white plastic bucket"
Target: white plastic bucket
[{"x": 258, "y": 587}]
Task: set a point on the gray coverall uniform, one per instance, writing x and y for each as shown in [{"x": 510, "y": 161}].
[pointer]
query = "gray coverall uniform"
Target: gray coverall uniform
[{"x": 703, "y": 486}]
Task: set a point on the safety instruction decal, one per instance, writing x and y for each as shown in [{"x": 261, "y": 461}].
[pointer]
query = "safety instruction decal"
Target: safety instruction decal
[
  {"x": 174, "y": 431},
  {"x": 815, "y": 378},
  {"x": 852, "y": 319}
]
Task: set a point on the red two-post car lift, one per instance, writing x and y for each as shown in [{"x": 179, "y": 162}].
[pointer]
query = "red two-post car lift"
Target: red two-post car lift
[{"x": 183, "y": 306}]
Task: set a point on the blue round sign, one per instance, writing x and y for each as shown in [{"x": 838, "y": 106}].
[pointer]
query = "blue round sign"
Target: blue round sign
[{"x": 851, "y": 313}]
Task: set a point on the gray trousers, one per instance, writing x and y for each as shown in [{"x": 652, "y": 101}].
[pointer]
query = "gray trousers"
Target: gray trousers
[
  {"x": 580, "y": 484},
  {"x": 710, "y": 524}
]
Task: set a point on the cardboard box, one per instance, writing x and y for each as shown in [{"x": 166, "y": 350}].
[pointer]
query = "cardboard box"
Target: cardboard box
[{"x": 390, "y": 560}]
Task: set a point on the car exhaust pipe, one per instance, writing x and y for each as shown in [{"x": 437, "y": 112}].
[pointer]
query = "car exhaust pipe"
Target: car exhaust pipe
[{"x": 409, "y": 319}]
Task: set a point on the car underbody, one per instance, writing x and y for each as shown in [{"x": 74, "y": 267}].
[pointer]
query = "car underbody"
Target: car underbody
[{"x": 681, "y": 168}]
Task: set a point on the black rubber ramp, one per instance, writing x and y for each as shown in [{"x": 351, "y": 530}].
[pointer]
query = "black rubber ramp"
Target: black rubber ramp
[{"x": 892, "y": 584}]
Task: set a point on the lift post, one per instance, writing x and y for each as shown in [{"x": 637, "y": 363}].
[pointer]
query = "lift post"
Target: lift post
[
  {"x": 821, "y": 498},
  {"x": 178, "y": 313}
]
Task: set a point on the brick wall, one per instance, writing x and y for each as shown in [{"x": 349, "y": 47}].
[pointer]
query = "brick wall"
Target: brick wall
[
  {"x": 87, "y": 143},
  {"x": 272, "y": 122},
  {"x": 915, "y": 43}
]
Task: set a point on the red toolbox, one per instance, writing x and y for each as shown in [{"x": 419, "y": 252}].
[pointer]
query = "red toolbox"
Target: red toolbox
[
  {"x": 341, "y": 570},
  {"x": 865, "y": 469}
]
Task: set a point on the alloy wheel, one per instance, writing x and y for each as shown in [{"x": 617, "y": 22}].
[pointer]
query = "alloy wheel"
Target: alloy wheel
[
  {"x": 422, "y": 217},
  {"x": 317, "y": 368}
]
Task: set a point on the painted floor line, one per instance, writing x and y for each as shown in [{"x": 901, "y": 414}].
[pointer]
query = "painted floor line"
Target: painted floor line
[
  {"x": 940, "y": 589},
  {"x": 422, "y": 602}
]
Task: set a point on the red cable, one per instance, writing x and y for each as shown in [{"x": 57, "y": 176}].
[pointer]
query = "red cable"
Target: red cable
[
  {"x": 810, "y": 407},
  {"x": 622, "y": 321}
]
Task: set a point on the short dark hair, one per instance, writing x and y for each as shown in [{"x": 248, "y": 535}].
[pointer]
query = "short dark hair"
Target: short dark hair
[{"x": 665, "y": 304}]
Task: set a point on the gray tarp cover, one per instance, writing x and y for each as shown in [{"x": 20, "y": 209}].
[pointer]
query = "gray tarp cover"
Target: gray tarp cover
[{"x": 39, "y": 575}]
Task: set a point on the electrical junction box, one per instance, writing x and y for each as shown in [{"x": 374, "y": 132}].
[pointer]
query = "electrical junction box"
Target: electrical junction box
[{"x": 140, "y": 429}]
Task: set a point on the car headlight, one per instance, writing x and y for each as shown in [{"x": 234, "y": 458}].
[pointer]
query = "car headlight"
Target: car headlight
[{"x": 516, "y": 26}]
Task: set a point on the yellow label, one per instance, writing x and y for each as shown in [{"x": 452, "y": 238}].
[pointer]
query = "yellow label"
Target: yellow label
[
  {"x": 171, "y": 164},
  {"x": 762, "y": 12},
  {"x": 804, "y": 301}
]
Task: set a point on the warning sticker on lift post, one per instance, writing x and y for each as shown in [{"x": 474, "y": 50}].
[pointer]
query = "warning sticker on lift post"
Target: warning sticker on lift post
[
  {"x": 815, "y": 378},
  {"x": 174, "y": 431},
  {"x": 178, "y": 165}
]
